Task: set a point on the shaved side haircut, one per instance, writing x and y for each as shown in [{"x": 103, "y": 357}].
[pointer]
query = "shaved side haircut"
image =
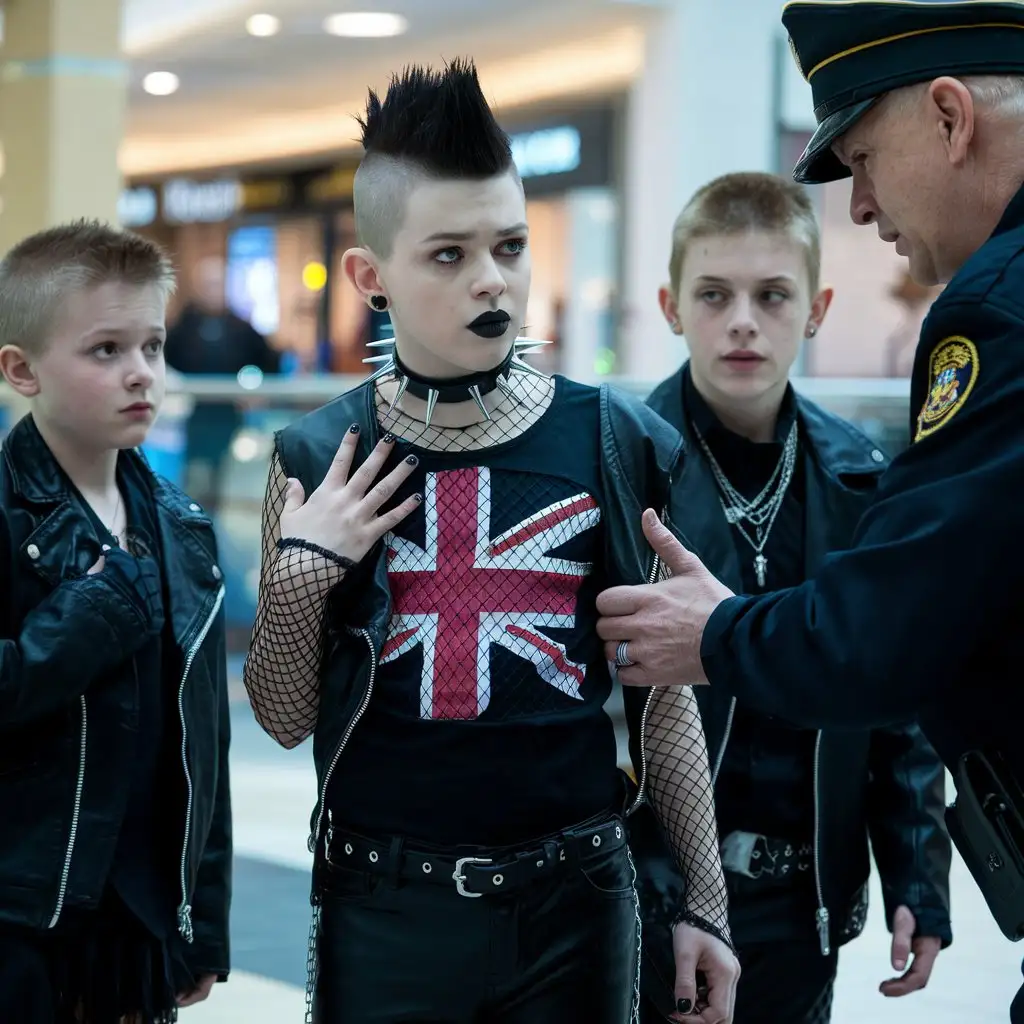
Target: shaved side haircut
[{"x": 433, "y": 125}]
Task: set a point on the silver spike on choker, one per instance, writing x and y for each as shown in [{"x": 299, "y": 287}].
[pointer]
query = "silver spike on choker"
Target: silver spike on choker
[{"x": 473, "y": 386}]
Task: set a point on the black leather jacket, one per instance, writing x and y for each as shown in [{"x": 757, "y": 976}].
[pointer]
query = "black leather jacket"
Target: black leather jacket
[
  {"x": 639, "y": 455},
  {"x": 887, "y": 783},
  {"x": 68, "y": 695}
]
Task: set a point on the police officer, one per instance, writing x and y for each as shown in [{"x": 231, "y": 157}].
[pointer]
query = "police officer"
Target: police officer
[{"x": 923, "y": 104}]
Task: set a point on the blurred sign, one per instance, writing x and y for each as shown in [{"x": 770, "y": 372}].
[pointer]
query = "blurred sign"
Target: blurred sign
[
  {"x": 547, "y": 151},
  {"x": 137, "y": 207},
  {"x": 200, "y": 202},
  {"x": 267, "y": 194},
  {"x": 575, "y": 151},
  {"x": 551, "y": 155}
]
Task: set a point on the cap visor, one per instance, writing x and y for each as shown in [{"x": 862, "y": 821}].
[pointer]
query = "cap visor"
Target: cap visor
[{"x": 819, "y": 164}]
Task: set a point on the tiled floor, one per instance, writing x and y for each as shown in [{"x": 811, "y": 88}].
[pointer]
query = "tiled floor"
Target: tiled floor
[{"x": 273, "y": 792}]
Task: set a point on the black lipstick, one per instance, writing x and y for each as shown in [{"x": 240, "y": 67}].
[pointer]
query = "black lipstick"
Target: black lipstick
[{"x": 491, "y": 325}]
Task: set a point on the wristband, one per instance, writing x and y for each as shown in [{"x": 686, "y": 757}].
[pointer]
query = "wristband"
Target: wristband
[{"x": 305, "y": 545}]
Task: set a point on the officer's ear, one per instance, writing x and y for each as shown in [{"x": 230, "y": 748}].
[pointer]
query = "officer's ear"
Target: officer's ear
[{"x": 951, "y": 110}]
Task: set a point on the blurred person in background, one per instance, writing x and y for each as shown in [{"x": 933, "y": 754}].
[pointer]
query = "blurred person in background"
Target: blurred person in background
[
  {"x": 433, "y": 543},
  {"x": 115, "y": 807},
  {"x": 772, "y": 483},
  {"x": 923, "y": 105},
  {"x": 209, "y": 339},
  {"x": 914, "y": 301}
]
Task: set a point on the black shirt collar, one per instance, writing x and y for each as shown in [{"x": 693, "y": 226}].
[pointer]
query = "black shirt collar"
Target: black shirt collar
[{"x": 708, "y": 425}]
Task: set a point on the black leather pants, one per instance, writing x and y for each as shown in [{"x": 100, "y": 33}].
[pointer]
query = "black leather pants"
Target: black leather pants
[{"x": 560, "y": 948}]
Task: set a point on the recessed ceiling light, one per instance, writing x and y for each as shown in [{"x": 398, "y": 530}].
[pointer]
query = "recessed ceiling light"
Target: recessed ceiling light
[
  {"x": 263, "y": 25},
  {"x": 161, "y": 83},
  {"x": 365, "y": 24}
]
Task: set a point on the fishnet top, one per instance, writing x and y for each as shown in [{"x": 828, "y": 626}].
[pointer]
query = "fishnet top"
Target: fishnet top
[{"x": 282, "y": 670}]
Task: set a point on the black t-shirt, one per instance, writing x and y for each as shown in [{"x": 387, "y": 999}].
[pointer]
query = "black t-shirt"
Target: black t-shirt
[
  {"x": 487, "y": 724},
  {"x": 764, "y": 785},
  {"x": 142, "y": 871}
]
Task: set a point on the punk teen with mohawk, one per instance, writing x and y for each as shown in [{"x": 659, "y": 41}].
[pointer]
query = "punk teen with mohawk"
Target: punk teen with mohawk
[{"x": 434, "y": 541}]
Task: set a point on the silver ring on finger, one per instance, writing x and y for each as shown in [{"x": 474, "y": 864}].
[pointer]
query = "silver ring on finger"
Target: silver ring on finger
[{"x": 622, "y": 655}]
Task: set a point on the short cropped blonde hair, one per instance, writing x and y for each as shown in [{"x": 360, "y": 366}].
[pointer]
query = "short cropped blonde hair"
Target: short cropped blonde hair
[
  {"x": 737, "y": 203},
  {"x": 39, "y": 272}
]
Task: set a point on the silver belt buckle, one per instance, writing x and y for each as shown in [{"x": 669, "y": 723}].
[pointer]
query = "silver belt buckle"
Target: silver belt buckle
[
  {"x": 460, "y": 878},
  {"x": 739, "y": 854}
]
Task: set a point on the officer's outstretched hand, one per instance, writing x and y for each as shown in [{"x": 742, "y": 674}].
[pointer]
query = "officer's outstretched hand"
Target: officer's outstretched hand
[
  {"x": 925, "y": 949},
  {"x": 662, "y": 624},
  {"x": 700, "y": 957}
]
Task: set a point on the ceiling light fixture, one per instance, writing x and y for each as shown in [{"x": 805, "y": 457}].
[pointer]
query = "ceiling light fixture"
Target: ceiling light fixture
[
  {"x": 365, "y": 24},
  {"x": 161, "y": 83},
  {"x": 263, "y": 25}
]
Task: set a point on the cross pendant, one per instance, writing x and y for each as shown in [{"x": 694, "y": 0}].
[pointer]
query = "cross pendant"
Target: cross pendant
[{"x": 761, "y": 568}]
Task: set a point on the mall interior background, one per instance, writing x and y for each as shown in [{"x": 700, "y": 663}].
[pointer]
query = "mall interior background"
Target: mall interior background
[
  {"x": 225, "y": 128},
  {"x": 228, "y": 131}
]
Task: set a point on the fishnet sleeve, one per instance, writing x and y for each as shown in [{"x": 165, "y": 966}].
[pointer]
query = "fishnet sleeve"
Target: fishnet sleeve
[
  {"x": 282, "y": 668},
  {"x": 681, "y": 792}
]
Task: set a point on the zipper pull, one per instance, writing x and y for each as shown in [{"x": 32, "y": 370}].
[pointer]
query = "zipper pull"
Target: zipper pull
[
  {"x": 823, "y": 939},
  {"x": 330, "y": 830},
  {"x": 185, "y": 922}
]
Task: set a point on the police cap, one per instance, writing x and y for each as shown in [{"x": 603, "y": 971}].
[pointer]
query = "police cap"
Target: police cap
[{"x": 852, "y": 52}]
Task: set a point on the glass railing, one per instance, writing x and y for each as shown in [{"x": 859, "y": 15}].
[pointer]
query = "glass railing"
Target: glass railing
[{"x": 244, "y": 413}]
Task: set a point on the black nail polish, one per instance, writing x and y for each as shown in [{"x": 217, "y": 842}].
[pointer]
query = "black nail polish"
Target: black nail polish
[
  {"x": 684, "y": 1005},
  {"x": 354, "y": 429},
  {"x": 412, "y": 460},
  {"x": 418, "y": 498},
  {"x": 389, "y": 438}
]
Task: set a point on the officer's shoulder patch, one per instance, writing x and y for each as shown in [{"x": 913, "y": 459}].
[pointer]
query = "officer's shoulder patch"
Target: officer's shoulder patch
[{"x": 952, "y": 371}]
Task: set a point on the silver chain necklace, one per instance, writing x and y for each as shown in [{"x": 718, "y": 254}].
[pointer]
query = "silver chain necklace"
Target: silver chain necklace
[{"x": 759, "y": 512}]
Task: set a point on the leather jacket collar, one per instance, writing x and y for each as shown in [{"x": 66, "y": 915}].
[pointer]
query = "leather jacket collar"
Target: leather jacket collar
[{"x": 841, "y": 464}]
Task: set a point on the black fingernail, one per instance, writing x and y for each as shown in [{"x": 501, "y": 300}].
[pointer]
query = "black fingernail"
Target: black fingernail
[
  {"x": 354, "y": 429},
  {"x": 684, "y": 1005},
  {"x": 412, "y": 460},
  {"x": 388, "y": 439},
  {"x": 418, "y": 498}
]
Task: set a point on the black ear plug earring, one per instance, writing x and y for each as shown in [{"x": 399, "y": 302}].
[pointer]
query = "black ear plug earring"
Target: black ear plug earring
[{"x": 379, "y": 303}]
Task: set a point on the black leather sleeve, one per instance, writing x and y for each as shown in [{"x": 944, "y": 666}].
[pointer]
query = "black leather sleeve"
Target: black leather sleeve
[
  {"x": 906, "y": 804},
  {"x": 79, "y": 632}
]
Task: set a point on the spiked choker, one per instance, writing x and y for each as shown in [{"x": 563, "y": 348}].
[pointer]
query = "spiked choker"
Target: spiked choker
[
  {"x": 455, "y": 389},
  {"x": 471, "y": 387}
]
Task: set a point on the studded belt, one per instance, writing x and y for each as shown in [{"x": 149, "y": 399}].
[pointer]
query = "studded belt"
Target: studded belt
[
  {"x": 487, "y": 872},
  {"x": 757, "y": 856}
]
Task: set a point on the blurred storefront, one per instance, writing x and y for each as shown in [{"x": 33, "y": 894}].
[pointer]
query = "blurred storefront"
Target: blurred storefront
[
  {"x": 718, "y": 93},
  {"x": 283, "y": 232}
]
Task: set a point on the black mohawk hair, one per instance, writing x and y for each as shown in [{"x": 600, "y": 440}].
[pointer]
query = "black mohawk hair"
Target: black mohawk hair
[{"x": 439, "y": 120}]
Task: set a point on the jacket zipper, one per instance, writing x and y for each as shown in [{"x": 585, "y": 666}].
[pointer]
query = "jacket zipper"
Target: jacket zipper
[
  {"x": 725, "y": 742},
  {"x": 185, "y": 908},
  {"x": 312, "y": 961},
  {"x": 821, "y": 916},
  {"x": 314, "y": 837},
  {"x": 79, "y": 786},
  {"x": 642, "y": 782}
]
